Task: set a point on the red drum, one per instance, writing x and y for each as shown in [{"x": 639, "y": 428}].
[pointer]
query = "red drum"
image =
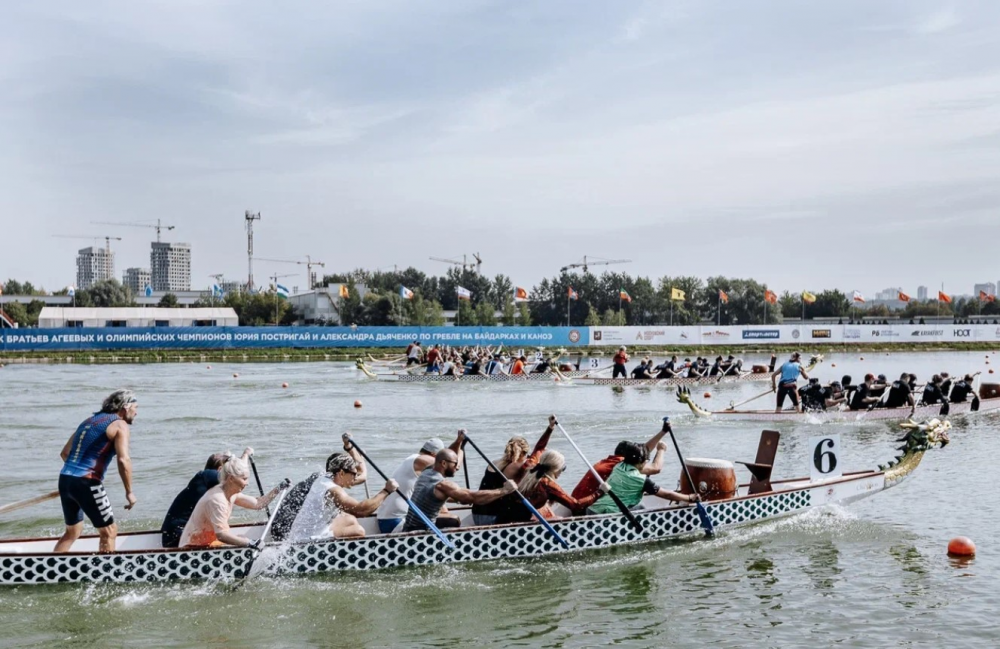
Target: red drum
[
  {"x": 716, "y": 479},
  {"x": 989, "y": 390}
]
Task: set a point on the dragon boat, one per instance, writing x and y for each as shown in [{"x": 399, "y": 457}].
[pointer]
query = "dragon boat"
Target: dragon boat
[
  {"x": 420, "y": 376},
  {"x": 140, "y": 558},
  {"x": 757, "y": 373},
  {"x": 987, "y": 400}
]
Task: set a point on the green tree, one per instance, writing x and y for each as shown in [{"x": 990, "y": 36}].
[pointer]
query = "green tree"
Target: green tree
[
  {"x": 523, "y": 315},
  {"x": 16, "y": 312},
  {"x": 109, "y": 293},
  {"x": 593, "y": 318},
  {"x": 168, "y": 301},
  {"x": 486, "y": 314},
  {"x": 509, "y": 312}
]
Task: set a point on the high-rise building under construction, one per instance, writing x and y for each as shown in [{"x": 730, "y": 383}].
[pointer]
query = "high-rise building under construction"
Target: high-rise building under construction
[
  {"x": 94, "y": 265},
  {"x": 170, "y": 266}
]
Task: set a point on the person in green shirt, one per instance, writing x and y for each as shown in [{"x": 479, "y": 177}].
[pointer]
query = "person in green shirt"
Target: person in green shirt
[{"x": 629, "y": 483}]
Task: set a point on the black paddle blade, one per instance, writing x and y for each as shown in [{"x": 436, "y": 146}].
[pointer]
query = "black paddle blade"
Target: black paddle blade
[
  {"x": 633, "y": 521},
  {"x": 706, "y": 521}
]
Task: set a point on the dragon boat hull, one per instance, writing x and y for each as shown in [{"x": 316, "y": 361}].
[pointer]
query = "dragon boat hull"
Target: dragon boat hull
[
  {"x": 140, "y": 559},
  {"x": 875, "y": 414},
  {"x": 708, "y": 380}
]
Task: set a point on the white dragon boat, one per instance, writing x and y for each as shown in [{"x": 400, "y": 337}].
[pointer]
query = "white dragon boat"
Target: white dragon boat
[
  {"x": 758, "y": 373},
  {"x": 978, "y": 404},
  {"x": 421, "y": 376},
  {"x": 140, "y": 558}
]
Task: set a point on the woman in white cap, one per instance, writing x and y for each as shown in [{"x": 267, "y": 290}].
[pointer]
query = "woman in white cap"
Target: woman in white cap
[{"x": 392, "y": 512}]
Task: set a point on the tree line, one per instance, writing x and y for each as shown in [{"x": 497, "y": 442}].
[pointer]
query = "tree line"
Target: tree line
[{"x": 598, "y": 301}]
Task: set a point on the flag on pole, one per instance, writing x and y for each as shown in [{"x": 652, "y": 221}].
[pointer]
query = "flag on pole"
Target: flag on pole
[
  {"x": 463, "y": 293},
  {"x": 405, "y": 293},
  {"x": 520, "y": 295},
  {"x": 723, "y": 297},
  {"x": 676, "y": 294},
  {"x": 944, "y": 297},
  {"x": 282, "y": 291},
  {"x": 858, "y": 297},
  {"x": 770, "y": 296},
  {"x": 344, "y": 293},
  {"x": 571, "y": 294},
  {"x": 70, "y": 291},
  {"x": 903, "y": 297},
  {"x": 149, "y": 291},
  {"x": 808, "y": 297},
  {"x": 624, "y": 296},
  {"x": 217, "y": 291},
  {"x": 986, "y": 297}
]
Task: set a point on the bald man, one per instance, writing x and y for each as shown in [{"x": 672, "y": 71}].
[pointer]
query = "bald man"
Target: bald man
[{"x": 433, "y": 490}]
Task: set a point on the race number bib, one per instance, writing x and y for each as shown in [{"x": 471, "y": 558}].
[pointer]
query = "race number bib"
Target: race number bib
[
  {"x": 824, "y": 457},
  {"x": 539, "y": 356},
  {"x": 594, "y": 363}
]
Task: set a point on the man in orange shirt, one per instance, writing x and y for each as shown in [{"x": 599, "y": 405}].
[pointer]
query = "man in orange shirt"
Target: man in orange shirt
[{"x": 518, "y": 367}]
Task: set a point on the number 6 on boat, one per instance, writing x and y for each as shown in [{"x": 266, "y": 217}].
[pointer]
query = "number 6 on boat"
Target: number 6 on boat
[{"x": 824, "y": 458}]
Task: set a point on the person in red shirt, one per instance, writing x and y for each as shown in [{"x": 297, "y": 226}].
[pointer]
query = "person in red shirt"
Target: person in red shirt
[
  {"x": 433, "y": 359},
  {"x": 518, "y": 367},
  {"x": 619, "y": 360},
  {"x": 589, "y": 485},
  {"x": 540, "y": 487}
]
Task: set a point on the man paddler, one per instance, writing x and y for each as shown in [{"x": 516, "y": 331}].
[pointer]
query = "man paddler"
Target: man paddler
[
  {"x": 789, "y": 373},
  {"x": 86, "y": 455}
]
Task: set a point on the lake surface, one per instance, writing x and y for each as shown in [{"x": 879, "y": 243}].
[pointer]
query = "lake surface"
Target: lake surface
[{"x": 874, "y": 574}]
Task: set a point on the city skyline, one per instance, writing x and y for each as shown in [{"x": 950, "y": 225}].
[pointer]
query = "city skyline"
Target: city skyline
[{"x": 809, "y": 146}]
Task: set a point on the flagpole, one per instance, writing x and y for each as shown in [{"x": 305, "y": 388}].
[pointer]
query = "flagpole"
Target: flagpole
[
  {"x": 803, "y": 308},
  {"x": 718, "y": 318},
  {"x": 567, "y": 310},
  {"x": 671, "y": 310},
  {"x": 620, "y": 307}
]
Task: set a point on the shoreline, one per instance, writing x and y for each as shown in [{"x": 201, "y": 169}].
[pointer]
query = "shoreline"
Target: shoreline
[{"x": 293, "y": 355}]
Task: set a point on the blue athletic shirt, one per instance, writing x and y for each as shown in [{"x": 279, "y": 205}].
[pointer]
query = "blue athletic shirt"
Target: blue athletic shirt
[
  {"x": 790, "y": 372},
  {"x": 91, "y": 449}
]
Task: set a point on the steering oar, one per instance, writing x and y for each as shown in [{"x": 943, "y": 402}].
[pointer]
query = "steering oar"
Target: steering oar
[{"x": 706, "y": 521}]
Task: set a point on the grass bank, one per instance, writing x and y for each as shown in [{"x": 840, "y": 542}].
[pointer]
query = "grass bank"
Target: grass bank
[{"x": 291, "y": 355}]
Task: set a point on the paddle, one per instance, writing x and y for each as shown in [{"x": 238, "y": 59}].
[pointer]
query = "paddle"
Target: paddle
[
  {"x": 409, "y": 503},
  {"x": 706, "y": 521},
  {"x": 260, "y": 487},
  {"x": 531, "y": 508},
  {"x": 743, "y": 403},
  {"x": 28, "y": 502},
  {"x": 633, "y": 521},
  {"x": 258, "y": 547}
]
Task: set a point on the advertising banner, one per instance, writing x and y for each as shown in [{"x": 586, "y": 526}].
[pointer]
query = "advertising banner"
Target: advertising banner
[{"x": 98, "y": 338}]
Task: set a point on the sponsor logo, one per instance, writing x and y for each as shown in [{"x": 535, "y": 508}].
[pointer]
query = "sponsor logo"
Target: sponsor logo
[
  {"x": 650, "y": 335},
  {"x": 928, "y": 332},
  {"x": 795, "y": 333},
  {"x": 717, "y": 333},
  {"x": 684, "y": 335},
  {"x": 852, "y": 333},
  {"x": 761, "y": 334},
  {"x": 963, "y": 333},
  {"x": 822, "y": 333},
  {"x": 597, "y": 334},
  {"x": 884, "y": 333},
  {"x": 574, "y": 336}
]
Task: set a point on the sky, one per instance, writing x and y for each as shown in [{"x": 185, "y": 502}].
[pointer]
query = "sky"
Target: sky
[{"x": 810, "y": 145}]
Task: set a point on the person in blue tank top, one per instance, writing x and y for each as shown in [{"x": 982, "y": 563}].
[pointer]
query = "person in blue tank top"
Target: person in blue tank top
[
  {"x": 789, "y": 373},
  {"x": 86, "y": 456}
]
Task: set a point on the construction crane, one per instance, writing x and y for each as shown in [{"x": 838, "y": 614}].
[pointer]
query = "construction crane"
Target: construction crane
[
  {"x": 308, "y": 263},
  {"x": 600, "y": 262},
  {"x": 464, "y": 263},
  {"x": 107, "y": 240},
  {"x": 159, "y": 226}
]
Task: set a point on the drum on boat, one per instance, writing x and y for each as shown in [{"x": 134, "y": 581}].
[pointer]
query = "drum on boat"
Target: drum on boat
[
  {"x": 715, "y": 479},
  {"x": 989, "y": 390},
  {"x": 760, "y": 369}
]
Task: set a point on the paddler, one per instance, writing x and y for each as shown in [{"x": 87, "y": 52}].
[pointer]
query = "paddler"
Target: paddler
[
  {"x": 789, "y": 373},
  {"x": 619, "y": 360},
  {"x": 86, "y": 455}
]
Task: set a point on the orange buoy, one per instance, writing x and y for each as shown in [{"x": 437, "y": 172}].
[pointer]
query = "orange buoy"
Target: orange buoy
[
  {"x": 833, "y": 365},
  {"x": 862, "y": 358},
  {"x": 961, "y": 546},
  {"x": 708, "y": 395},
  {"x": 991, "y": 370},
  {"x": 236, "y": 376},
  {"x": 284, "y": 385},
  {"x": 357, "y": 404},
  {"x": 209, "y": 367}
]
